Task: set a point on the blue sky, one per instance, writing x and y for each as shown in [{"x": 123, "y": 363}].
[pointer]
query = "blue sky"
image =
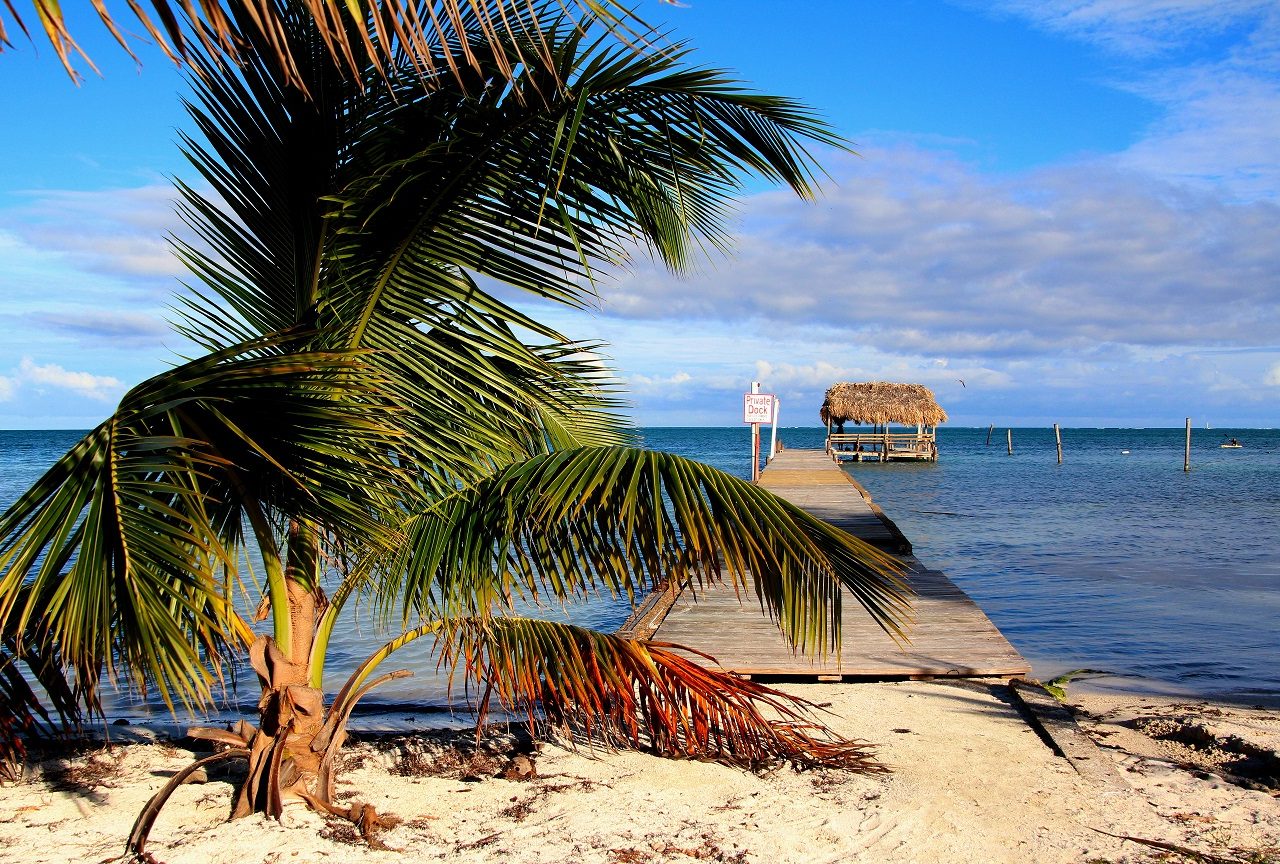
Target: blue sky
[{"x": 1072, "y": 206}]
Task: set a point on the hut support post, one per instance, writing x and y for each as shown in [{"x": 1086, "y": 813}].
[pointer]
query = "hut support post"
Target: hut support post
[
  {"x": 1186, "y": 450},
  {"x": 1057, "y": 434}
]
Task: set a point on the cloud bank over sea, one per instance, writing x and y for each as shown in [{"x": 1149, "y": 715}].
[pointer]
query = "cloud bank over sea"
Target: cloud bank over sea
[
  {"x": 1108, "y": 288},
  {"x": 1110, "y": 285}
]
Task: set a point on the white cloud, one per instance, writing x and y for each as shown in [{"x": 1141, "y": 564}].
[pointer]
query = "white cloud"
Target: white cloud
[
  {"x": 1211, "y": 68},
  {"x": 1220, "y": 127},
  {"x": 36, "y": 280},
  {"x": 1272, "y": 378},
  {"x": 8, "y": 387},
  {"x": 119, "y": 232},
  {"x": 1139, "y": 26},
  {"x": 99, "y": 387},
  {"x": 819, "y": 374},
  {"x": 104, "y": 326},
  {"x": 657, "y": 384},
  {"x": 918, "y": 253}
]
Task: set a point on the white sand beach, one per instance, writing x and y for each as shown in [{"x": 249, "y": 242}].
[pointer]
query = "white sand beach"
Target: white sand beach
[{"x": 971, "y": 780}]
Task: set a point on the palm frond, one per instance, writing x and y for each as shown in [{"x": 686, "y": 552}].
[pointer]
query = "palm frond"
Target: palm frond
[
  {"x": 370, "y": 212},
  {"x": 121, "y": 550},
  {"x": 570, "y": 523},
  {"x": 634, "y": 149},
  {"x": 645, "y": 695},
  {"x": 355, "y": 36},
  {"x": 274, "y": 255},
  {"x": 26, "y": 657}
]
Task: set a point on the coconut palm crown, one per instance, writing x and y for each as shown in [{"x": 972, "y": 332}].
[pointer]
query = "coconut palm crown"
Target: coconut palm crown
[{"x": 372, "y": 419}]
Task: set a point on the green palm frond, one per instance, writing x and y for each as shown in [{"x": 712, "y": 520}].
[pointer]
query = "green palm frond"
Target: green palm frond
[
  {"x": 645, "y": 695},
  {"x": 634, "y": 149},
  {"x": 371, "y": 212},
  {"x": 123, "y": 551},
  {"x": 573, "y": 522},
  {"x": 273, "y": 255},
  {"x": 25, "y": 658},
  {"x": 538, "y": 195}
]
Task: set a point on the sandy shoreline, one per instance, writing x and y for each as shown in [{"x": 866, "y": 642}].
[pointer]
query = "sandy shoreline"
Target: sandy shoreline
[{"x": 971, "y": 781}]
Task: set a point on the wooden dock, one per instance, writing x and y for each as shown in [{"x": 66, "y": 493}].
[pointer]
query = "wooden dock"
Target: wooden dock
[{"x": 951, "y": 636}]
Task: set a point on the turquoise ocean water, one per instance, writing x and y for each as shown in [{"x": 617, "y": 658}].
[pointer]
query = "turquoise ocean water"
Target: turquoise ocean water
[{"x": 1113, "y": 560}]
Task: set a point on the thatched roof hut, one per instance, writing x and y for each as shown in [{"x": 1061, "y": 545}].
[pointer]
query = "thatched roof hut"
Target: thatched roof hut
[{"x": 882, "y": 402}]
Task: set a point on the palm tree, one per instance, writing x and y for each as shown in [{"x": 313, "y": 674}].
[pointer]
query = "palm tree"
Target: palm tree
[{"x": 371, "y": 421}]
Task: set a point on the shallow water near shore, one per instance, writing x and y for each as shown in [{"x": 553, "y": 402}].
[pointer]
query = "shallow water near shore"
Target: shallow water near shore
[{"x": 1114, "y": 560}]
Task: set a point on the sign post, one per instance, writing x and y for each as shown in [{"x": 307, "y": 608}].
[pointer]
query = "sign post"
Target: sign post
[
  {"x": 773, "y": 430},
  {"x": 757, "y": 408}
]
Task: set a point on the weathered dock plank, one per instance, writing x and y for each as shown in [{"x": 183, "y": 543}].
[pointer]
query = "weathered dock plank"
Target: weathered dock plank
[{"x": 950, "y": 636}]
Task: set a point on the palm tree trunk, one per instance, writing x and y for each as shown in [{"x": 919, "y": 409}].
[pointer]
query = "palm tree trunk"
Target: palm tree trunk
[
  {"x": 282, "y": 760},
  {"x": 303, "y": 593}
]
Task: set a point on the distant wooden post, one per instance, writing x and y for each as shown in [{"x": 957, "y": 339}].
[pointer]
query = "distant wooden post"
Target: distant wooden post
[
  {"x": 990, "y": 429},
  {"x": 1057, "y": 434},
  {"x": 1009, "y": 435},
  {"x": 1186, "y": 450}
]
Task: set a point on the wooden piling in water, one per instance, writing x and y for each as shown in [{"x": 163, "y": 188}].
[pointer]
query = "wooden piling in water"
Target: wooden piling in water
[
  {"x": 990, "y": 429},
  {"x": 1186, "y": 450},
  {"x": 1057, "y": 434},
  {"x": 1009, "y": 435}
]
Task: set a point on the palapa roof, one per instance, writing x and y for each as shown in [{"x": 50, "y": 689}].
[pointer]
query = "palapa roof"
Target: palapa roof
[{"x": 881, "y": 402}]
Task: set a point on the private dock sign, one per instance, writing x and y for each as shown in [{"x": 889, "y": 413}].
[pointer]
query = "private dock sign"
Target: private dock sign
[{"x": 757, "y": 408}]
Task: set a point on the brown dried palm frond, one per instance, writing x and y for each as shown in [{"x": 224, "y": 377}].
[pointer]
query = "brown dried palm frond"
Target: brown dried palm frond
[
  {"x": 647, "y": 695},
  {"x": 357, "y": 33}
]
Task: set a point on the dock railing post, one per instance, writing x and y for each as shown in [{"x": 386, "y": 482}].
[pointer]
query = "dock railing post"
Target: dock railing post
[
  {"x": 1057, "y": 434},
  {"x": 1186, "y": 450}
]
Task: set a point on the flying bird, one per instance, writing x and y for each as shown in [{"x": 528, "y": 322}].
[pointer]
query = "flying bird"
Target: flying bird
[{"x": 961, "y": 380}]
